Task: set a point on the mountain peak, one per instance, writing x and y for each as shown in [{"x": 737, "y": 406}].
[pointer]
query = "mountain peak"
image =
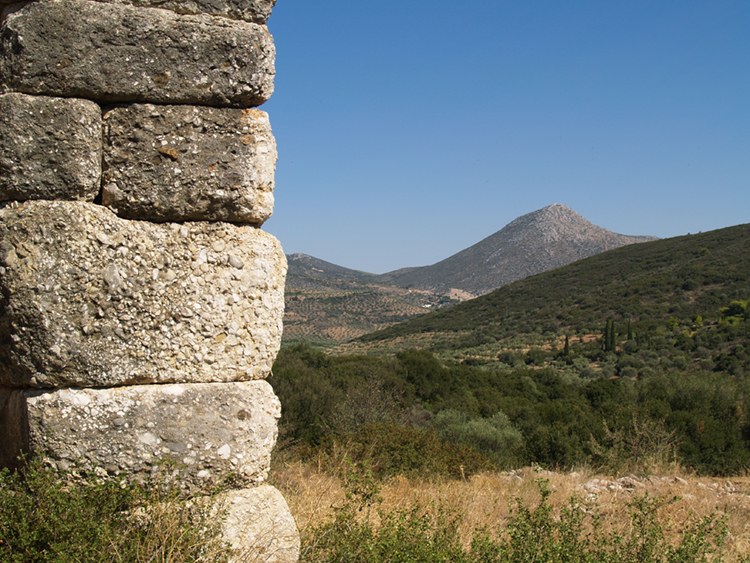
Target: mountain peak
[
  {"x": 533, "y": 243},
  {"x": 558, "y": 207},
  {"x": 554, "y": 212}
]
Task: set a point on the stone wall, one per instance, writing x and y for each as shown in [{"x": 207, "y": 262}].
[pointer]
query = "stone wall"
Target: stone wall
[{"x": 140, "y": 303}]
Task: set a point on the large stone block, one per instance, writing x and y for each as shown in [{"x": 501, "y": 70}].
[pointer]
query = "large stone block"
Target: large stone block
[
  {"x": 50, "y": 148},
  {"x": 258, "y": 525},
  {"x": 256, "y": 11},
  {"x": 121, "y": 53},
  {"x": 88, "y": 299},
  {"x": 177, "y": 163},
  {"x": 210, "y": 433}
]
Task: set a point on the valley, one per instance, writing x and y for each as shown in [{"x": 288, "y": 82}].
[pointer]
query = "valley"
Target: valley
[{"x": 620, "y": 381}]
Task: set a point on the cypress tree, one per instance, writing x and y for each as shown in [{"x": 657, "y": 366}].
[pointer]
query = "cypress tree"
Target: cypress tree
[{"x": 610, "y": 340}]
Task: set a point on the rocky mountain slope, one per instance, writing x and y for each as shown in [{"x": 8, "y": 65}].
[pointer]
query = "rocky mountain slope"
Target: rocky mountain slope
[
  {"x": 536, "y": 242},
  {"x": 328, "y": 303}
]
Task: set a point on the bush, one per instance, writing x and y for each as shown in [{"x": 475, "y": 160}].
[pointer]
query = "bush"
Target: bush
[
  {"x": 45, "y": 518},
  {"x": 392, "y": 449},
  {"x": 645, "y": 446},
  {"x": 496, "y": 436}
]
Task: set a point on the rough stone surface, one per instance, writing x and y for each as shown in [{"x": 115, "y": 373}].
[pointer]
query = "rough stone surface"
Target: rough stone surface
[
  {"x": 256, "y": 11},
  {"x": 258, "y": 526},
  {"x": 89, "y": 299},
  {"x": 121, "y": 53},
  {"x": 211, "y": 431},
  {"x": 177, "y": 163},
  {"x": 50, "y": 148}
]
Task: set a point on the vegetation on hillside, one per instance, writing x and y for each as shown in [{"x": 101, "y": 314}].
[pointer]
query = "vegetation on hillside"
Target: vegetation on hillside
[
  {"x": 413, "y": 414},
  {"x": 684, "y": 281},
  {"x": 633, "y": 362}
]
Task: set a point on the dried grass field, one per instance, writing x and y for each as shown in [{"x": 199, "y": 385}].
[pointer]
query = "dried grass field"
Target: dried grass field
[{"x": 485, "y": 501}]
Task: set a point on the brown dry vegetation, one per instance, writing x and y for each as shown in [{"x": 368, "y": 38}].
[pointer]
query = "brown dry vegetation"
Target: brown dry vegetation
[{"x": 484, "y": 501}]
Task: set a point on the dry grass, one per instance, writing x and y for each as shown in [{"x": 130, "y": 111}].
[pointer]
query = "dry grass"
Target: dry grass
[{"x": 484, "y": 500}]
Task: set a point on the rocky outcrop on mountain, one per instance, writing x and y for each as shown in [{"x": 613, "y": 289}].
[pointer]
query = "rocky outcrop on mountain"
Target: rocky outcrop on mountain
[
  {"x": 536, "y": 242},
  {"x": 140, "y": 303}
]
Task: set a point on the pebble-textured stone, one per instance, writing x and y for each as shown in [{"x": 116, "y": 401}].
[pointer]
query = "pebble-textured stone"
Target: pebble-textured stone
[
  {"x": 258, "y": 526},
  {"x": 177, "y": 163},
  {"x": 89, "y": 299},
  {"x": 211, "y": 431},
  {"x": 121, "y": 53},
  {"x": 50, "y": 148},
  {"x": 256, "y": 11}
]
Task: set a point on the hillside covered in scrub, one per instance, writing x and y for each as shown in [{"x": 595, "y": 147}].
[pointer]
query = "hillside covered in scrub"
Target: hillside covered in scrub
[
  {"x": 677, "y": 291},
  {"x": 637, "y": 357}
]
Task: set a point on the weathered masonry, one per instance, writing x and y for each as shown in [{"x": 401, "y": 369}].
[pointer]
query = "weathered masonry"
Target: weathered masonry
[{"x": 140, "y": 302}]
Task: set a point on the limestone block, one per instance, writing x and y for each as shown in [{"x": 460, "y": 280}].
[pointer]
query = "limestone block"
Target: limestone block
[
  {"x": 258, "y": 526},
  {"x": 121, "y": 53},
  {"x": 210, "y": 431},
  {"x": 177, "y": 163},
  {"x": 50, "y": 148},
  {"x": 249, "y": 10},
  {"x": 88, "y": 299}
]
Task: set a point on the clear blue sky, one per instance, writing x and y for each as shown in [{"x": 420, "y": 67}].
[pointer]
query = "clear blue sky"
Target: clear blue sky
[{"x": 411, "y": 129}]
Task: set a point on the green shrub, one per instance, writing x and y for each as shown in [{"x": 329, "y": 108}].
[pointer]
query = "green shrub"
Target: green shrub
[
  {"x": 44, "y": 518},
  {"x": 392, "y": 449},
  {"x": 495, "y": 437},
  {"x": 403, "y": 535}
]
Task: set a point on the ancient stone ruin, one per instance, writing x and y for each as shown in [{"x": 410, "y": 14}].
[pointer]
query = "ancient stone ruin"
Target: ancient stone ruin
[{"x": 140, "y": 303}]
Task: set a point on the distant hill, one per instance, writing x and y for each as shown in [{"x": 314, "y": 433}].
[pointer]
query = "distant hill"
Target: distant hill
[
  {"x": 536, "y": 242},
  {"x": 309, "y": 272},
  {"x": 682, "y": 281},
  {"x": 328, "y": 304}
]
